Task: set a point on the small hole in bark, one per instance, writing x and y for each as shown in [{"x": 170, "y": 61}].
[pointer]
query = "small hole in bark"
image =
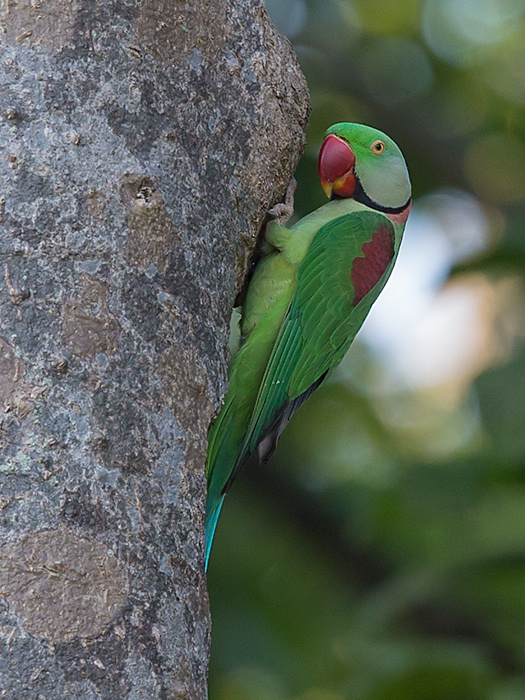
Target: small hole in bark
[{"x": 137, "y": 190}]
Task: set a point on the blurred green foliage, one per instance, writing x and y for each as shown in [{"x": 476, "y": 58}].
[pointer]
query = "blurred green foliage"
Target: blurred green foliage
[{"x": 381, "y": 554}]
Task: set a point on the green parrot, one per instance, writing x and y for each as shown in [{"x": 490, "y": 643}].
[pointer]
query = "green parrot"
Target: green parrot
[{"x": 308, "y": 297}]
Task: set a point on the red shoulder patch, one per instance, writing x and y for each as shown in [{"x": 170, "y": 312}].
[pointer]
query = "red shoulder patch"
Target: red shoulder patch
[{"x": 368, "y": 270}]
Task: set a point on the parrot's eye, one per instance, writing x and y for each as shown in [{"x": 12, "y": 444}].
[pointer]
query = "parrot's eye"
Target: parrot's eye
[{"x": 378, "y": 147}]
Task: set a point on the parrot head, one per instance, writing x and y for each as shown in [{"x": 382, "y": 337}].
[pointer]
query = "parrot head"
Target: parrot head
[{"x": 363, "y": 163}]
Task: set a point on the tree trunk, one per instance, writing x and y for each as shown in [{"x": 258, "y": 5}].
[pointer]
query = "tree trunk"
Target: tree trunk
[{"x": 140, "y": 144}]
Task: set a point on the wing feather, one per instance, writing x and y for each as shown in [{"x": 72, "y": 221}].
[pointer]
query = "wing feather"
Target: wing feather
[{"x": 321, "y": 322}]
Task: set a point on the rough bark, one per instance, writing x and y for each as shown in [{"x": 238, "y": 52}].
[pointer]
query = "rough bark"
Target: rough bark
[{"x": 140, "y": 144}]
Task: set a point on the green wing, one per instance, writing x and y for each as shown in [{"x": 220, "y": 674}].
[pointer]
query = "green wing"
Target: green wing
[{"x": 321, "y": 322}]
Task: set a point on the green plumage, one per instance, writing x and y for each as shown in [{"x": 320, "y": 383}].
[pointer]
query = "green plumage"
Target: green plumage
[{"x": 299, "y": 319}]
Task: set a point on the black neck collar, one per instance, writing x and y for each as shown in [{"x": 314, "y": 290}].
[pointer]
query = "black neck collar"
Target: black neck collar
[{"x": 361, "y": 196}]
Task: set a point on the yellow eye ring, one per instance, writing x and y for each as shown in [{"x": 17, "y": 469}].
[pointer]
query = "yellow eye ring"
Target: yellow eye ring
[{"x": 377, "y": 147}]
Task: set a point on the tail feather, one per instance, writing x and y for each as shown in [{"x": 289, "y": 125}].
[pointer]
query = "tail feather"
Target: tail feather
[
  {"x": 216, "y": 435},
  {"x": 212, "y": 516},
  {"x": 220, "y": 447},
  {"x": 226, "y": 449}
]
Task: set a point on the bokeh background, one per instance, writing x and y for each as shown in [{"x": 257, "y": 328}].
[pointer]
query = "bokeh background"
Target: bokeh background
[{"x": 381, "y": 554}]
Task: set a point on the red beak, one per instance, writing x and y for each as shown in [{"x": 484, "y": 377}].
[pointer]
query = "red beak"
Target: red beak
[{"x": 336, "y": 167}]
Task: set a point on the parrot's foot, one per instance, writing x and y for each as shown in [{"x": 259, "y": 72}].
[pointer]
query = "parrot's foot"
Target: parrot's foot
[{"x": 283, "y": 211}]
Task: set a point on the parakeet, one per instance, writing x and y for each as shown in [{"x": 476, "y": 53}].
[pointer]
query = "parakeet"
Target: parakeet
[{"x": 308, "y": 297}]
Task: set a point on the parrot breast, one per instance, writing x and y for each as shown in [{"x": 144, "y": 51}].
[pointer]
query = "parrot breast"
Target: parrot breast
[{"x": 368, "y": 270}]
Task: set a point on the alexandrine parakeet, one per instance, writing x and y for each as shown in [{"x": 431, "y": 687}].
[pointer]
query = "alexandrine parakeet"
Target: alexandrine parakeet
[{"x": 308, "y": 297}]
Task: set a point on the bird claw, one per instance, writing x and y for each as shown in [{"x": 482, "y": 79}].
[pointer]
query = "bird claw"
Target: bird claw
[{"x": 282, "y": 211}]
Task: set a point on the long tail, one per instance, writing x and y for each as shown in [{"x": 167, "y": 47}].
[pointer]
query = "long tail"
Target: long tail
[
  {"x": 212, "y": 516},
  {"x": 221, "y": 452},
  {"x": 227, "y": 451}
]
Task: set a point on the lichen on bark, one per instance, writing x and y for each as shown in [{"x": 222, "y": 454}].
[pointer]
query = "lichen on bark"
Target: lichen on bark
[{"x": 137, "y": 161}]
